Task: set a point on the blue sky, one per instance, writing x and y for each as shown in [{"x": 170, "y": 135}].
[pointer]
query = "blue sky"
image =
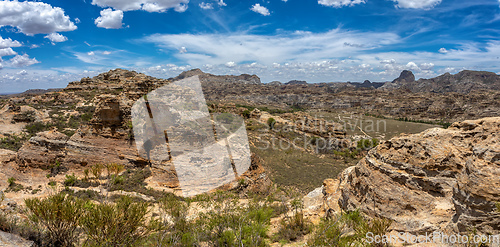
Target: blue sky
[{"x": 46, "y": 44}]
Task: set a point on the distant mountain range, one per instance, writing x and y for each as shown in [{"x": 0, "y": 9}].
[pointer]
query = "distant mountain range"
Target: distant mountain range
[{"x": 463, "y": 82}]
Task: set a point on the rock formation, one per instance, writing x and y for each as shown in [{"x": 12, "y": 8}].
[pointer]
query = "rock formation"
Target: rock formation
[{"x": 438, "y": 180}]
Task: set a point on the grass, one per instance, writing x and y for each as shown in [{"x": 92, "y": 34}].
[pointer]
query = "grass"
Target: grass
[{"x": 292, "y": 167}]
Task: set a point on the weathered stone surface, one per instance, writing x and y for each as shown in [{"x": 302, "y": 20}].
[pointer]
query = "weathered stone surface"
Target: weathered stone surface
[
  {"x": 11, "y": 240},
  {"x": 438, "y": 180},
  {"x": 82, "y": 149}
]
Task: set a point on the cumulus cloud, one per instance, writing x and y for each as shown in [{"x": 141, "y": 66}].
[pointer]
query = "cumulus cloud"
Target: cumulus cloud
[
  {"x": 183, "y": 50},
  {"x": 22, "y": 61},
  {"x": 34, "y": 17},
  {"x": 417, "y": 4},
  {"x": 8, "y": 42},
  {"x": 55, "y": 37},
  {"x": 260, "y": 9},
  {"x": 106, "y": 52},
  {"x": 427, "y": 66},
  {"x": 110, "y": 19},
  {"x": 7, "y": 52},
  {"x": 443, "y": 50},
  {"x": 91, "y": 53},
  {"x": 204, "y": 5},
  {"x": 340, "y": 3},
  {"x": 222, "y": 3},
  {"x": 146, "y": 5}
]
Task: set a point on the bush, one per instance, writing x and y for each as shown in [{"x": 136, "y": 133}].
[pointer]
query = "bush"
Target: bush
[
  {"x": 294, "y": 227},
  {"x": 13, "y": 142},
  {"x": 271, "y": 122},
  {"x": 70, "y": 180},
  {"x": 11, "y": 181},
  {"x": 33, "y": 128},
  {"x": 347, "y": 229},
  {"x": 367, "y": 143},
  {"x": 121, "y": 224},
  {"x": 59, "y": 215}
]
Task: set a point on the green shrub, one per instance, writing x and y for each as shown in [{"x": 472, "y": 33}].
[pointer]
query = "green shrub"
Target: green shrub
[
  {"x": 11, "y": 181},
  {"x": 123, "y": 223},
  {"x": 70, "y": 180},
  {"x": 367, "y": 144},
  {"x": 347, "y": 229},
  {"x": 33, "y": 128},
  {"x": 96, "y": 171},
  {"x": 293, "y": 227},
  {"x": 13, "y": 186},
  {"x": 59, "y": 215},
  {"x": 13, "y": 142},
  {"x": 246, "y": 113},
  {"x": 271, "y": 122}
]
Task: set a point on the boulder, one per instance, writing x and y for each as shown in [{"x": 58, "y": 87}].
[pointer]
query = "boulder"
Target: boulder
[{"x": 439, "y": 180}]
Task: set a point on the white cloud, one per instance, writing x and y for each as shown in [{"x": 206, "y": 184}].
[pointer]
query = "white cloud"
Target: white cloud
[
  {"x": 268, "y": 49},
  {"x": 146, "y": 5},
  {"x": 8, "y": 42},
  {"x": 106, "y": 52},
  {"x": 7, "y": 52},
  {"x": 34, "y": 17},
  {"x": 110, "y": 19},
  {"x": 33, "y": 46},
  {"x": 417, "y": 4},
  {"x": 427, "y": 66},
  {"x": 204, "y": 5},
  {"x": 443, "y": 50},
  {"x": 22, "y": 61},
  {"x": 91, "y": 53},
  {"x": 340, "y": 3},
  {"x": 77, "y": 20},
  {"x": 230, "y": 64},
  {"x": 55, "y": 37},
  {"x": 260, "y": 9},
  {"x": 183, "y": 50},
  {"x": 412, "y": 66},
  {"x": 222, "y": 3},
  {"x": 22, "y": 72}
]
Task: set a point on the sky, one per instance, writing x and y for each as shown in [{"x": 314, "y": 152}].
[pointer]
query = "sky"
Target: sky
[{"x": 48, "y": 43}]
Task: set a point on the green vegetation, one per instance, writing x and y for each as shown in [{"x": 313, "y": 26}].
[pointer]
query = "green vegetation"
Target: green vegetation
[
  {"x": 271, "y": 122},
  {"x": 70, "y": 180},
  {"x": 443, "y": 123},
  {"x": 59, "y": 215},
  {"x": 293, "y": 227},
  {"x": 123, "y": 223},
  {"x": 13, "y": 186},
  {"x": 367, "y": 144},
  {"x": 497, "y": 205},
  {"x": 13, "y": 142},
  {"x": 348, "y": 229}
]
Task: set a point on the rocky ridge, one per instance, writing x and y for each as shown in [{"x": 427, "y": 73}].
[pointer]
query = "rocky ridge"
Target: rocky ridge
[
  {"x": 439, "y": 180},
  {"x": 464, "y": 82}
]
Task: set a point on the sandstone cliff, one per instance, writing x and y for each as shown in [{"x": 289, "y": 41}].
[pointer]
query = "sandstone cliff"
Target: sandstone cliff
[{"x": 438, "y": 180}]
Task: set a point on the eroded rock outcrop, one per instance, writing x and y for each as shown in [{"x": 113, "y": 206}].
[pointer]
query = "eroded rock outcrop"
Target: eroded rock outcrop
[{"x": 438, "y": 180}]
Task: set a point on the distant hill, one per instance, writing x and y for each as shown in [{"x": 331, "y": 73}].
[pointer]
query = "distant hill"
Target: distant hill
[{"x": 463, "y": 82}]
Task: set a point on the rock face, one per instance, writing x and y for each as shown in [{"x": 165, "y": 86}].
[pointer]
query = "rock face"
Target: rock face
[
  {"x": 296, "y": 82},
  {"x": 82, "y": 149},
  {"x": 465, "y": 81},
  {"x": 205, "y": 78},
  {"x": 438, "y": 180}
]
